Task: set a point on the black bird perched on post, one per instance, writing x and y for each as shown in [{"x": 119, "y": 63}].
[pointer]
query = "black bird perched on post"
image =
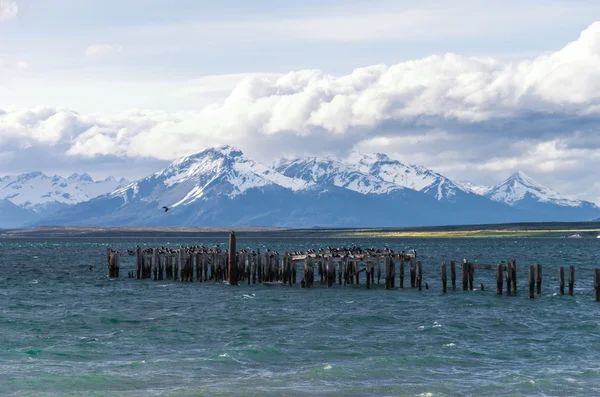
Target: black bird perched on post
[{"x": 165, "y": 208}]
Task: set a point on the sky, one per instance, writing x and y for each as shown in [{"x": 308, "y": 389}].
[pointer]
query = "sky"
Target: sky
[{"x": 475, "y": 90}]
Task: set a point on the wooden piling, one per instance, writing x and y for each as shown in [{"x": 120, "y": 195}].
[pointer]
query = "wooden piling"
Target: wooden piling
[
  {"x": 232, "y": 269},
  {"x": 571, "y": 279},
  {"x": 401, "y": 272},
  {"x": 561, "y": 280},
  {"x": 508, "y": 277},
  {"x": 471, "y": 274},
  {"x": 453, "y": 274},
  {"x": 499, "y": 278},
  {"x": 465, "y": 275},
  {"x": 388, "y": 272},
  {"x": 513, "y": 271},
  {"x": 138, "y": 263},
  {"x": 419, "y": 275},
  {"x": 531, "y": 281},
  {"x": 538, "y": 278},
  {"x": 413, "y": 271},
  {"x": 443, "y": 271},
  {"x": 597, "y": 283}
]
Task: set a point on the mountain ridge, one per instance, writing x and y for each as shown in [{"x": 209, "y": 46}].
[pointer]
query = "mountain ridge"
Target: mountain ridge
[{"x": 221, "y": 186}]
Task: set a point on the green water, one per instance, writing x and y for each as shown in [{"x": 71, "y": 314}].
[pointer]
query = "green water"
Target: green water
[{"x": 65, "y": 330}]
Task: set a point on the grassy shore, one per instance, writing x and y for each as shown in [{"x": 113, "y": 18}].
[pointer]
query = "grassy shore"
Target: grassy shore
[
  {"x": 479, "y": 233},
  {"x": 553, "y": 229}
]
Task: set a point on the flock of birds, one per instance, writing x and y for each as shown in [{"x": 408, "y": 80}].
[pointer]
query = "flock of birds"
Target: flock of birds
[{"x": 333, "y": 251}]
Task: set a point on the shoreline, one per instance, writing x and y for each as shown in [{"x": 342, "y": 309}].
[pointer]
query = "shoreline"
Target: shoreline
[{"x": 553, "y": 229}]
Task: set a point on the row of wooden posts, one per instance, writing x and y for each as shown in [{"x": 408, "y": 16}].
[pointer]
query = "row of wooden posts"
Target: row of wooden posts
[{"x": 244, "y": 265}]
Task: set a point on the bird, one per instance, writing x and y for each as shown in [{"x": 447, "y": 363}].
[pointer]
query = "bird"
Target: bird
[{"x": 165, "y": 208}]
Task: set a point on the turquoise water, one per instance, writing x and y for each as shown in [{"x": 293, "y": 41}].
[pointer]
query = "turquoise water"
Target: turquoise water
[{"x": 65, "y": 330}]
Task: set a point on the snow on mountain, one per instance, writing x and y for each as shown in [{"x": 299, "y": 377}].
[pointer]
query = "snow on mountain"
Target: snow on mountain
[
  {"x": 324, "y": 171},
  {"x": 36, "y": 190},
  {"x": 519, "y": 187},
  {"x": 477, "y": 189},
  {"x": 220, "y": 171},
  {"x": 414, "y": 177}
]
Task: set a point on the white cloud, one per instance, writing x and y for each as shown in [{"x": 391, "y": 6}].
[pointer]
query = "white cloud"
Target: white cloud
[
  {"x": 8, "y": 9},
  {"x": 449, "y": 112},
  {"x": 102, "y": 50}
]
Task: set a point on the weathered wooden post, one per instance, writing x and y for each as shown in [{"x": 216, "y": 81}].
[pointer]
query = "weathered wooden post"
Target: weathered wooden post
[
  {"x": 419, "y": 275},
  {"x": 531, "y": 280},
  {"x": 232, "y": 270},
  {"x": 367, "y": 264},
  {"x": 538, "y": 278},
  {"x": 597, "y": 283},
  {"x": 154, "y": 265},
  {"x": 561, "y": 280},
  {"x": 513, "y": 271},
  {"x": 138, "y": 263},
  {"x": 443, "y": 271},
  {"x": 499, "y": 278},
  {"x": 181, "y": 264},
  {"x": 401, "y": 271},
  {"x": 465, "y": 275},
  {"x": 571, "y": 279},
  {"x": 413, "y": 270},
  {"x": 453, "y": 274},
  {"x": 471, "y": 274},
  {"x": 508, "y": 277},
  {"x": 388, "y": 272},
  {"x": 330, "y": 271}
]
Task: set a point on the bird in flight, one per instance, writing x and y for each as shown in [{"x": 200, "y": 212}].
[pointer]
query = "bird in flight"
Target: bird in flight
[{"x": 165, "y": 208}]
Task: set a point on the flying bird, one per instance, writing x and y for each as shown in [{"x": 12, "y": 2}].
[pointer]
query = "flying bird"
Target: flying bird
[{"x": 165, "y": 208}]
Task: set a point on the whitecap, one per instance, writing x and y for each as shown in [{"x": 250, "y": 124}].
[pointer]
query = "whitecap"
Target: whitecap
[
  {"x": 449, "y": 344},
  {"x": 348, "y": 301},
  {"x": 327, "y": 367},
  {"x": 224, "y": 355},
  {"x": 33, "y": 282},
  {"x": 428, "y": 394},
  {"x": 35, "y": 257},
  {"x": 246, "y": 296},
  {"x": 421, "y": 327}
]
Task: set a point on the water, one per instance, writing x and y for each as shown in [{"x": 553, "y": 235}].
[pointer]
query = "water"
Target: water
[{"x": 65, "y": 330}]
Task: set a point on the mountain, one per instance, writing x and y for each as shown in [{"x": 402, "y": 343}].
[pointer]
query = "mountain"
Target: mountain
[
  {"x": 13, "y": 216},
  {"x": 38, "y": 192},
  {"x": 330, "y": 172},
  {"x": 378, "y": 174},
  {"x": 220, "y": 186},
  {"x": 522, "y": 192},
  {"x": 35, "y": 195},
  {"x": 411, "y": 176}
]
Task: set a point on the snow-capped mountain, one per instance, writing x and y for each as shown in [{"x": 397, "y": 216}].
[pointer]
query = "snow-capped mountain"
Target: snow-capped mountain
[
  {"x": 221, "y": 171},
  {"x": 324, "y": 171},
  {"x": 222, "y": 187},
  {"x": 519, "y": 187},
  {"x": 411, "y": 176},
  {"x": 37, "y": 191},
  {"x": 522, "y": 192},
  {"x": 477, "y": 189}
]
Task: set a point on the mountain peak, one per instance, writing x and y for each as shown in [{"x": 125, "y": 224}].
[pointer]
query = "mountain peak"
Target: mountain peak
[
  {"x": 519, "y": 187},
  {"x": 227, "y": 150}
]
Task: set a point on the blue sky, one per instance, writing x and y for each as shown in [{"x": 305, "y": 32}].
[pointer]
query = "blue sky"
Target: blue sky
[{"x": 473, "y": 89}]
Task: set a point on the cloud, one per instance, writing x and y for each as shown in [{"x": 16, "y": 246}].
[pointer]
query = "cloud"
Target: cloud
[
  {"x": 465, "y": 116},
  {"x": 8, "y": 9},
  {"x": 102, "y": 50}
]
